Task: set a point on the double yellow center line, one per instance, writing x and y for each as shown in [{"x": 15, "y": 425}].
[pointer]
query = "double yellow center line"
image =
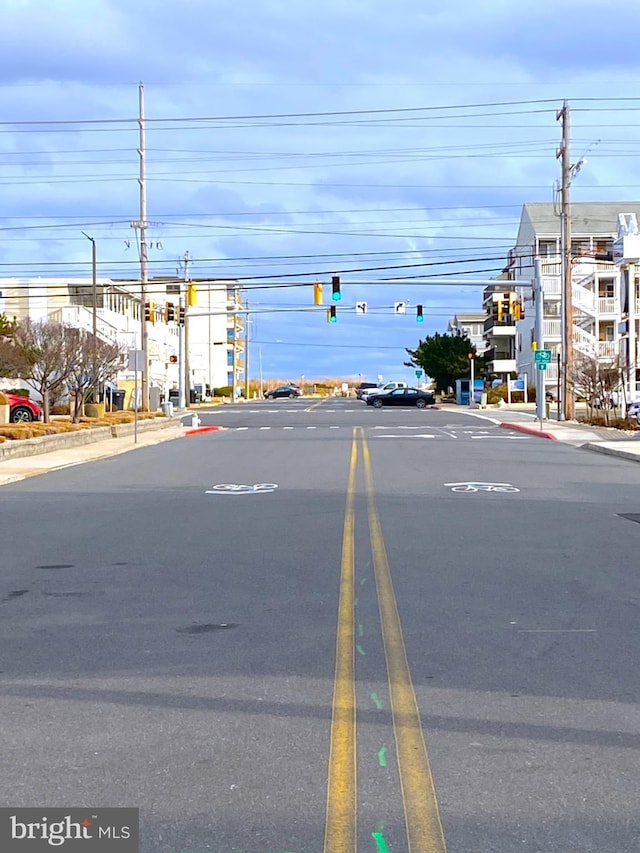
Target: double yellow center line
[{"x": 422, "y": 819}]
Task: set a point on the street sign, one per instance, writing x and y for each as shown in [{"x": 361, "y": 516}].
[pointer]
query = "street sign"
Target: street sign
[
  {"x": 361, "y": 307},
  {"x": 541, "y": 365},
  {"x": 400, "y": 307},
  {"x": 542, "y": 356},
  {"x": 418, "y": 374}
]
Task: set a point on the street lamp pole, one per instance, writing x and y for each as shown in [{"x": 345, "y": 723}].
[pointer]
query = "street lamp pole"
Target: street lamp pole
[{"x": 94, "y": 293}]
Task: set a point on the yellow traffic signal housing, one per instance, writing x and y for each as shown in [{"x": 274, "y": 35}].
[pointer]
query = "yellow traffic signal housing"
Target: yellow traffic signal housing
[
  {"x": 317, "y": 293},
  {"x": 169, "y": 312},
  {"x": 192, "y": 295}
]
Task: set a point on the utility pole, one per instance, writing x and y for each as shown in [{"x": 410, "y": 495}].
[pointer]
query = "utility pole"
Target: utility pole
[
  {"x": 144, "y": 258},
  {"x": 565, "y": 240},
  {"x": 186, "y": 363},
  {"x": 246, "y": 354},
  {"x": 538, "y": 303}
]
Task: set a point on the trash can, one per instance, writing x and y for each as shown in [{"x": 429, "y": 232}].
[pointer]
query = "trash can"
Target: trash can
[
  {"x": 167, "y": 408},
  {"x": 116, "y": 398}
]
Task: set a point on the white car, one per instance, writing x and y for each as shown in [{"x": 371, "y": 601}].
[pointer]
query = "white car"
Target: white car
[{"x": 633, "y": 411}]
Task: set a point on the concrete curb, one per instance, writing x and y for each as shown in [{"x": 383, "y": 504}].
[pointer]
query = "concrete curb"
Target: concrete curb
[
  {"x": 47, "y": 443},
  {"x": 607, "y": 450},
  {"x": 530, "y": 430}
]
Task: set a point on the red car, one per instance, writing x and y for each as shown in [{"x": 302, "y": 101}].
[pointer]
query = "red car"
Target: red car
[{"x": 22, "y": 409}]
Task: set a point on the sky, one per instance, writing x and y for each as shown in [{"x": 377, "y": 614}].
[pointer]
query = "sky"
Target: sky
[{"x": 286, "y": 142}]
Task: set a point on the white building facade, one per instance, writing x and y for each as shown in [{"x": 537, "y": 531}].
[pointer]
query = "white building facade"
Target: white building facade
[
  {"x": 205, "y": 350},
  {"x": 596, "y": 284}
]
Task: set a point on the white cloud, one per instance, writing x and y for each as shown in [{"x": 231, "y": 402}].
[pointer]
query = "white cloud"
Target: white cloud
[{"x": 306, "y": 195}]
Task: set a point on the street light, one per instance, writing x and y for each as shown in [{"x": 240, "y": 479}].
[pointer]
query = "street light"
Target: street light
[{"x": 95, "y": 298}]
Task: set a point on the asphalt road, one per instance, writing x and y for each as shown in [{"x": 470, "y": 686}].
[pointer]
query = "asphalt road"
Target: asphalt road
[{"x": 357, "y": 651}]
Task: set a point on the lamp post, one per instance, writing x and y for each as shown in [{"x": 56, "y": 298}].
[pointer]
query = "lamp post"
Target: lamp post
[{"x": 94, "y": 294}]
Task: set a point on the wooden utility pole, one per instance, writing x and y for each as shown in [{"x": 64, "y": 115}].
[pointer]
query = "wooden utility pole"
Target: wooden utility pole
[
  {"x": 568, "y": 408},
  {"x": 144, "y": 258}
]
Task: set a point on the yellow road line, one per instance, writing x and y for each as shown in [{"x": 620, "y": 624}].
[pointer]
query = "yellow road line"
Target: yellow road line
[
  {"x": 424, "y": 827},
  {"x": 340, "y": 825}
]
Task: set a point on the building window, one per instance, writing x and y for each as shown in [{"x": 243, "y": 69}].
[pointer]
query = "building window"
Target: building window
[{"x": 547, "y": 248}]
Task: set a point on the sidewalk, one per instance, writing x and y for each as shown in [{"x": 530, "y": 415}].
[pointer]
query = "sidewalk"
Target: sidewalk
[
  {"x": 613, "y": 442},
  {"x": 14, "y": 469}
]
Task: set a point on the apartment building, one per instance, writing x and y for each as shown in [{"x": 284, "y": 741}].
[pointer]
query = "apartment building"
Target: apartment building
[
  {"x": 597, "y": 285},
  {"x": 212, "y": 336},
  {"x": 471, "y": 326}
]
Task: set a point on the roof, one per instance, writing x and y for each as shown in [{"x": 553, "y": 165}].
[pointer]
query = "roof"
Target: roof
[
  {"x": 588, "y": 218},
  {"x": 477, "y": 317}
]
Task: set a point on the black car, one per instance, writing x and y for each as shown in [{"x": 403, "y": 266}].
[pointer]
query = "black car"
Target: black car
[
  {"x": 402, "y": 397},
  {"x": 289, "y": 391}
]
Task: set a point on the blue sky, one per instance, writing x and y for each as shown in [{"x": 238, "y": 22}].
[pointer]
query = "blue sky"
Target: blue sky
[{"x": 289, "y": 141}]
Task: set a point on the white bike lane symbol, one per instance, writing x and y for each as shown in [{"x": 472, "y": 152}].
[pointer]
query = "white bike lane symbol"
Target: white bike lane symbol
[
  {"x": 240, "y": 489},
  {"x": 481, "y": 487}
]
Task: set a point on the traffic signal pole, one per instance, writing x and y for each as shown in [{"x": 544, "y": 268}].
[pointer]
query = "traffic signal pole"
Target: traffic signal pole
[{"x": 538, "y": 299}]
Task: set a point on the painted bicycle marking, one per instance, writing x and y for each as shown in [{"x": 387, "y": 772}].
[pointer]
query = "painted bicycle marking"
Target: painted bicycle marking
[
  {"x": 241, "y": 489},
  {"x": 481, "y": 487}
]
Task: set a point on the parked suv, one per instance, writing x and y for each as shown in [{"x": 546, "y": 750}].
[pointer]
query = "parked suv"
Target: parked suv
[{"x": 22, "y": 409}]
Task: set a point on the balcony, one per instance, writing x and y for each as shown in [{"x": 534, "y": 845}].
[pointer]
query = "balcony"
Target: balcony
[
  {"x": 497, "y": 329},
  {"x": 502, "y": 365}
]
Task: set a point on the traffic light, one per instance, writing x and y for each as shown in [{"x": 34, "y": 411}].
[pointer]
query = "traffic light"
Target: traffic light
[
  {"x": 336, "y": 295},
  {"x": 173, "y": 359},
  {"x": 169, "y": 312},
  {"x": 419, "y": 315},
  {"x": 192, "y": 294},
  {"x": 331, "y": 315},
  {"x": 516, "y": 308},
  {"x": 150, "y": 312},
  {"x": 181, "y": 315},
  {"x": 317, "y": 293}
]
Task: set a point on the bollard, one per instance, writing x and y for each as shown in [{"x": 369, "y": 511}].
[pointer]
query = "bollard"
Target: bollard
[{"x": 195, "y": 421}]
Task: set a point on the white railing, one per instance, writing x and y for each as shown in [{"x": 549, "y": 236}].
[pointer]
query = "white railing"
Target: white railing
[
  {"x": 607, "y": 349},
  {"x": 551, "y": 285},
  {"x": 584, "y": 298},
  {"x": 552, "y": 329},
  {"x": 551, "y": 268},
  {"x": 607, "y": 305},
  {"x": 584, "y": 341}
]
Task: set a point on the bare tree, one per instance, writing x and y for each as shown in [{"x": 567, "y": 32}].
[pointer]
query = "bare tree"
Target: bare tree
[
  {"x": 597, "y": 381},
  {"x": 42, "y": 346},
  {"x": 92, "y": 362}
]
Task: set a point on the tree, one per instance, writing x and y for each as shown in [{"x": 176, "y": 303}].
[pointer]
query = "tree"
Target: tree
[
  {"x": 92, "y": 362},
  {"x": 444, "y": 358},
  {"x": 596, "y": 380},
  {"x": 43, "y": 347},
  {"x": 11, "y": 360}
]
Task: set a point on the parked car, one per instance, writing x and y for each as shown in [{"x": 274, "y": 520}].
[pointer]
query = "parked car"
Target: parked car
[
  {"x": 365, "y": 387},
  {"x": 289, "y": 391},
  {"x": 383, "y": 389},
  {"x": 22, "y": 409},
  {"x": 633, "y": 411},
  {"x": 402, "y": 397}
]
